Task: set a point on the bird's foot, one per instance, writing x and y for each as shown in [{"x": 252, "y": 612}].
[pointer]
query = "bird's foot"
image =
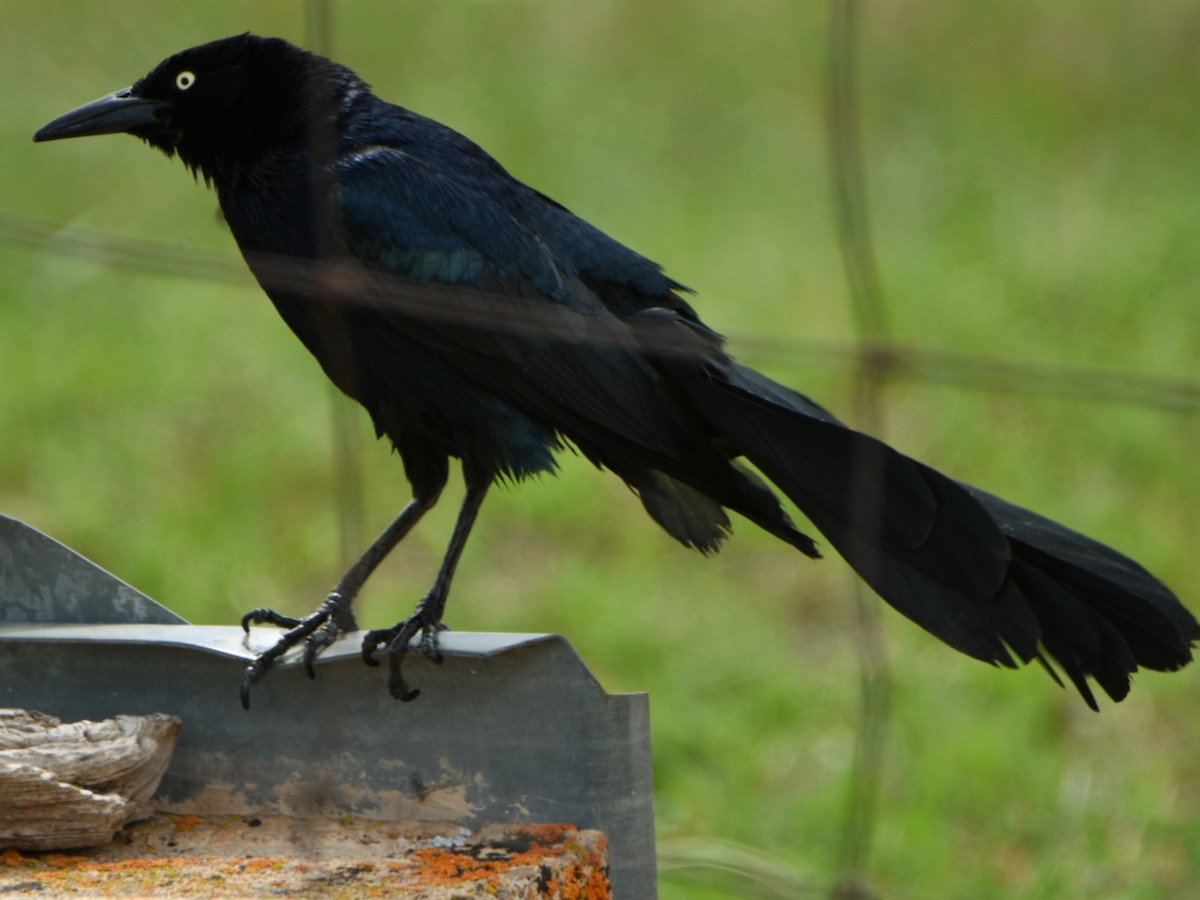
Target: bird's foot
[
  {"x": 317, "y": 631},
  {"x": 426, "y": 620}
]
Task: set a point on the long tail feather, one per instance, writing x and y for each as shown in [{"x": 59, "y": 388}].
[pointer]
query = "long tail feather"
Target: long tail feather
[{"x": 989, "y": 578}]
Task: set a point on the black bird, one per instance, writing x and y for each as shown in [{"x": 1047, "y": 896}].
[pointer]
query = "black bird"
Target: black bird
[{"x": 476, "y": 318}]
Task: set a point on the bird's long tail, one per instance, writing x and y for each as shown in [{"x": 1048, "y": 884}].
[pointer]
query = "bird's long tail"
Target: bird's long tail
[{"x": 993, "y": 580}]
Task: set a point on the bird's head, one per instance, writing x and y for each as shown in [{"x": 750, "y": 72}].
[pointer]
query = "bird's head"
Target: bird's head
[{"x": 220, "y": 105}]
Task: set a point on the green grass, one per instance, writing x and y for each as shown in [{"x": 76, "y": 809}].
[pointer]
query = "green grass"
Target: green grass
[{"x": 1032, "y": 181}]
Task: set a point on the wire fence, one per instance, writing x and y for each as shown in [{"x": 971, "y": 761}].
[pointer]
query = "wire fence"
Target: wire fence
[
  {"x": 888, "y": 359},
  {"x": 874, "y": 359}
]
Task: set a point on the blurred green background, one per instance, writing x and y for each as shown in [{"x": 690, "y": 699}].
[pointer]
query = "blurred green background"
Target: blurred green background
[{"x": 1033, "y": 179}]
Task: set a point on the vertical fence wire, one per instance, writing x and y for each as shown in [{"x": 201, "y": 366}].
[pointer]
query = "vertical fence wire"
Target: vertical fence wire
[
  {"x": 345, "y": 433},
  {"x": 870, "y": 319}
]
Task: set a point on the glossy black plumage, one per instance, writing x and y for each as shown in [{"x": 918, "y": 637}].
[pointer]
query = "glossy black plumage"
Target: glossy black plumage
[{"x": 475, "y": 318}]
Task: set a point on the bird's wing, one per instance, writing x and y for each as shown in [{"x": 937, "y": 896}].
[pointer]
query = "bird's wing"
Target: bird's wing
[
  {"x": 623, "y": 279},
  {"x": 458, "y": 273}
]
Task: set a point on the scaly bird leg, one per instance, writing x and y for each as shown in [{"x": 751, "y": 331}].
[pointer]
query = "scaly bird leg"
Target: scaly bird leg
[
  {"x": 335, "y": 615},
  {"x": 427, "y": 618}
]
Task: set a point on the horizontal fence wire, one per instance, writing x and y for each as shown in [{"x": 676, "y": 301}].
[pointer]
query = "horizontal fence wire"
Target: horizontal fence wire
[{"x": 891, "y": 359}]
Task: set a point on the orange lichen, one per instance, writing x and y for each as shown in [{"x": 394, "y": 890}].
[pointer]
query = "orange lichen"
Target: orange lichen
[
  {"x": 444, "y": 867},
  {"x": 186, "y": 823},
  {"x": 62, "y": 860},
  {"x": 550, "y": 833},
  {"x": 585, "y": 876},
  {"x": 556, "y": 861},
  {"x": 257, "y": 863},
  {"x": 127, "y": 865}
]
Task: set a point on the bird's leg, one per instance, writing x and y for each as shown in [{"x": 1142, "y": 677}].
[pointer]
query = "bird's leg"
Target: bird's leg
[
  {"x": 335, "y": 615},
  {"x": 427, "y": 618}
]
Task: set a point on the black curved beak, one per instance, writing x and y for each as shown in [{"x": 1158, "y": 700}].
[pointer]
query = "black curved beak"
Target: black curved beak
[{"x": 119, "y": 112}]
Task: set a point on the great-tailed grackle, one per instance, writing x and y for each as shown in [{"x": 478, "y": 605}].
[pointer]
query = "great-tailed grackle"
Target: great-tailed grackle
[{"x": 476, "y": 318}]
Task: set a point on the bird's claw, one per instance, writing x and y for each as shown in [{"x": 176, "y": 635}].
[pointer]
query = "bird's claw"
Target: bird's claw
[
  {"x": 331, "y": 618},
  {"x": 263, "y": 616},
  {"x": 317, "y": 631},
  {"x": 397, "y": 639},
  {"x": 253, "y": 675}
]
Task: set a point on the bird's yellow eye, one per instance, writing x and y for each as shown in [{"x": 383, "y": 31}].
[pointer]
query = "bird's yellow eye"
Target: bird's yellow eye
[{"x": 185, "y": 80}]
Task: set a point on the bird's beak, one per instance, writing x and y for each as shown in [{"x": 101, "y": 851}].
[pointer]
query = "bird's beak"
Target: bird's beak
[{"x": 119, "y": 112}]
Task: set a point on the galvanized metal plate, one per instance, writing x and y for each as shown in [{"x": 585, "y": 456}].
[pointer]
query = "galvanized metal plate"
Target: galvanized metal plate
[{"x": 43, "y": 581}]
